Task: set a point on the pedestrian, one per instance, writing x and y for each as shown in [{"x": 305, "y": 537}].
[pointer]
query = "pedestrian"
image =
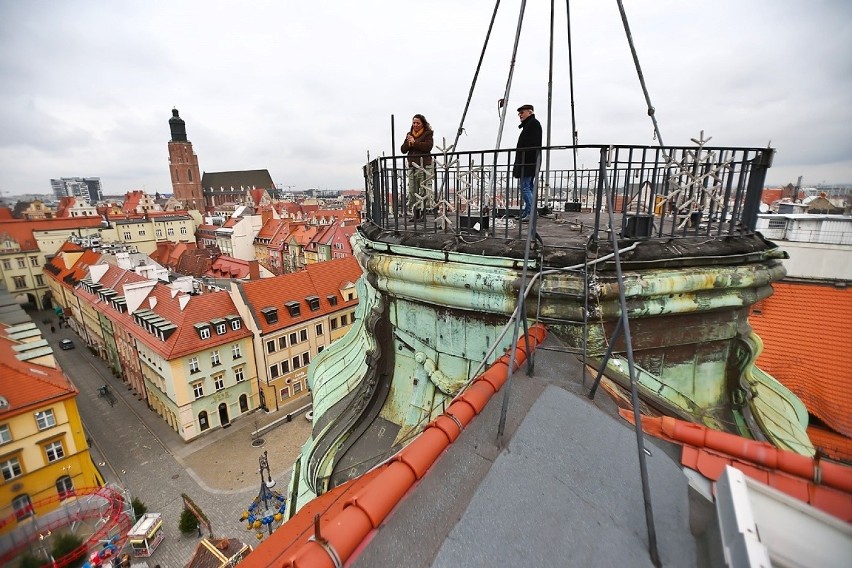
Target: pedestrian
[
  {"x": 526, "y": 160},
  {"x": 418, "y": 145},
  {"x": 52, "y": 329}
]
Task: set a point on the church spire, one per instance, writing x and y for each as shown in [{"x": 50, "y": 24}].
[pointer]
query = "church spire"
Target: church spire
[{"x": 178, "y": 127}]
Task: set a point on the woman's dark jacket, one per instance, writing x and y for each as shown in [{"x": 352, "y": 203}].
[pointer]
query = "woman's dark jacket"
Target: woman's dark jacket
[
  {"x": 530, "y": 137},
  {"x": 418, "y": 152}
]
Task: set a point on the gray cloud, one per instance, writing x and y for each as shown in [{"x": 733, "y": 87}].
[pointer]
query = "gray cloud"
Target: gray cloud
[{"x": 306, "y": 90}]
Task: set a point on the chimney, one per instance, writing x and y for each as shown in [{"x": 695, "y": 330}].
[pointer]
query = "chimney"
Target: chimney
[{"x": 254, "y": 270}]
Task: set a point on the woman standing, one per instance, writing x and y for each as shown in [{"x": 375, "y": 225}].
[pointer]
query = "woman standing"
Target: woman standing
[{"x": 418, "y": 145}]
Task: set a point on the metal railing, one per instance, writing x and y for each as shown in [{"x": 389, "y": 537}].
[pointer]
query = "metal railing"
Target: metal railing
[{"x": 657, "y": 192}]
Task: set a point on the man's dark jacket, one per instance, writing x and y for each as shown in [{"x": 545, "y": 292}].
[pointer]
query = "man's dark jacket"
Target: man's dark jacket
[{"x": 530, "y": 137}]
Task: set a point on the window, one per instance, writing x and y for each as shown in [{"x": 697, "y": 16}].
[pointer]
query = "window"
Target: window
[
  {"x": 320, "y": 348},
  {"x": 214, "y": 358},
  {"x": 333, "y": 323},
  {"x": 141, "y": 232},
  {"x": 23, "y": 506},
  {"x": 238, "y": 374},
  {"x": 236, "y": 324},
  {"x": 7, "y": 265},
  {"x": 294, "y": 308},
  {"x": 5, "y": 434},
  {"x": 285, "y": 393},
  {"x": 285, "y": 366},
  {"x": 243, "y": 403},
  {"x": 303, "y": 335},
  {"x": 235, "y": 351},
  {"x": 205, "y": 333},
  {"x": 332, "y": 300},
  {"x": 306, "y": 358},
  {"x": 297, "y": 387},
  {"x": 221, "y": 329},
  {"x": 318, "y": 329},
  {"x": 20, "y": 282},
  {"x": 270, "y": 346},
  {"x": 11, "y": 469},
  {"x": 350, "y": 296},
  {"x": 183, "y": 230},
  {"x": 127, "y": 235},
  {"x": 39, "y": 280},
  {"x": 21, "y": 262},
  {"x": 198, "y": 390},
  {"x": 282, "y": 342},
  {"x": 293, "y": 340},
  {"x": 159, "y": 233},
  {"x": 170, "y": 231},
  {"x": 64, "y": 487},
  {"x": 219, "y": 382},
  {"x": 297, "y": 363},
  {"x": 344, "y": 319},
  {"x": 193, "y": 365},
  {"x": 203, "y": 423},
  {"x": 45, "y": 419},
  {"x": 273, "y": 372},
  {"x": 313, "y": 303},
  {"x": 33, "y": 261},
  {"x": 54, "y": 451}
]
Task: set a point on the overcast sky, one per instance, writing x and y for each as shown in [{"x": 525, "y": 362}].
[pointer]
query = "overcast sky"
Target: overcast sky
[{"x": 306, "y": 89}]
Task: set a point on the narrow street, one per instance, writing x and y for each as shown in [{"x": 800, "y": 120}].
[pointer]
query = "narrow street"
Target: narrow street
[{"x": 134, "y": 447}]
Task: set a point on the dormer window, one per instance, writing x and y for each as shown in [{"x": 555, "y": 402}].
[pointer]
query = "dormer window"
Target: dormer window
[
  {"x": 203, "y": 330},
  {"x": 236, "y": 324},
  {"x": 221, "y": 329},
  {"x": 313, "y": 303},
  {"x": 270, "y": 314},
  {"x": 294, "y": 309},
  {"x": 332, "y": 300}
]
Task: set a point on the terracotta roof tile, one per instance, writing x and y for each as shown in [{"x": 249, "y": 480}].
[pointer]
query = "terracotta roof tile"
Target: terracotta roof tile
[
  {"x": 26, "y": 384},
  {"x": 322, "y": 279},
  {"x": 836, "y": 446},
  {"x": 807, "y": 345}
]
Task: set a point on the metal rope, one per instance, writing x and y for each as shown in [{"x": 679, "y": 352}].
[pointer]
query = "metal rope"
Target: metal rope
[
  {"x": 651, "y": 111},
  {"x": 574, "y": 137},
  {"x": 505, "y": 100},
  {"x": 475, "y": 75}
]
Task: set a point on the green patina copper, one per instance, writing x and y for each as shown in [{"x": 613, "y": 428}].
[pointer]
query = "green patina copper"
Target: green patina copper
[{"x": 428, "y": 318}]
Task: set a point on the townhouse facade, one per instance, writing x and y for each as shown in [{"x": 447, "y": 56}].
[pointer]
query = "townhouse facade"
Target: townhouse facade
[
  {"x": 293, "y": 317},
  {"x": 190, "y": 356}
]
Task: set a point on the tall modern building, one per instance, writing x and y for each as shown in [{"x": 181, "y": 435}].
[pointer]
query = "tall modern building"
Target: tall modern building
[
  {"x": 88, "y": 188},
  {"x": 183, "y": 166}
]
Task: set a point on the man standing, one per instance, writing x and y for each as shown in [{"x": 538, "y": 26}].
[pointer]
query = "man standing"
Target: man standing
[{"x": 526, "y": 160}]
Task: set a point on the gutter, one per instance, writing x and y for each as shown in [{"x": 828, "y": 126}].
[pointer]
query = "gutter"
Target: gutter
[{"x": 368, "y": 506}]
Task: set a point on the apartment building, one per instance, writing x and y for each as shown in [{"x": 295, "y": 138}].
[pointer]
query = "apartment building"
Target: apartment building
[
  {"x": 43, "y": 450},
  {"x": 293, "y": 317}
]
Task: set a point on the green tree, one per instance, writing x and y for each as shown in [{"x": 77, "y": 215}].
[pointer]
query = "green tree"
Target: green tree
[
  {"x": 27, "y": 560},
  {"x": 139, "y": 508},
  {"x": 188, "y": 523},
  {"x": 64, "y": 544}
]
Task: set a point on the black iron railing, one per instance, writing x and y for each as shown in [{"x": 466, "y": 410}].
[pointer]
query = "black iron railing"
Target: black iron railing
[{"x": 657, "y": 192}]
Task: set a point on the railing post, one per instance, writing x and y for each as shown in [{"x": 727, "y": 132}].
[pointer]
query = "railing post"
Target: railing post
[{"x": 756, "y": 180}]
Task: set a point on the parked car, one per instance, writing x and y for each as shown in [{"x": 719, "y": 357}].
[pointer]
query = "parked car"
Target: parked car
[{"x": 66, "y": 344}]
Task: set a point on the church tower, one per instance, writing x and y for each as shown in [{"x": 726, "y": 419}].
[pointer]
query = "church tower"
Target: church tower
[{"x": 183, "y": 166}]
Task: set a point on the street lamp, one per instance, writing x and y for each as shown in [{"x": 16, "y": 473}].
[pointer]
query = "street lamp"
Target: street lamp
[{"x": 272, "y": 502}]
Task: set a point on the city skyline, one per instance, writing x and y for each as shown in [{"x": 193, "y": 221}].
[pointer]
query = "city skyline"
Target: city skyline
[{"x": 98, "y": 103}]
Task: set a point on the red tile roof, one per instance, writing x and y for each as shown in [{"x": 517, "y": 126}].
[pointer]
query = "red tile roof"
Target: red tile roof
[
  {"x": 228, "y": 267},
  {"x": 836, "y": 446},
  {"x": 807, "y": 345},
  {"x": 27, "y": 385},
  {"x": 322, "y": 279},
  {"x": 197, "y": 309},
  {"x": 708, "y": 451},
  {"x": 21, "y": 234}
]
